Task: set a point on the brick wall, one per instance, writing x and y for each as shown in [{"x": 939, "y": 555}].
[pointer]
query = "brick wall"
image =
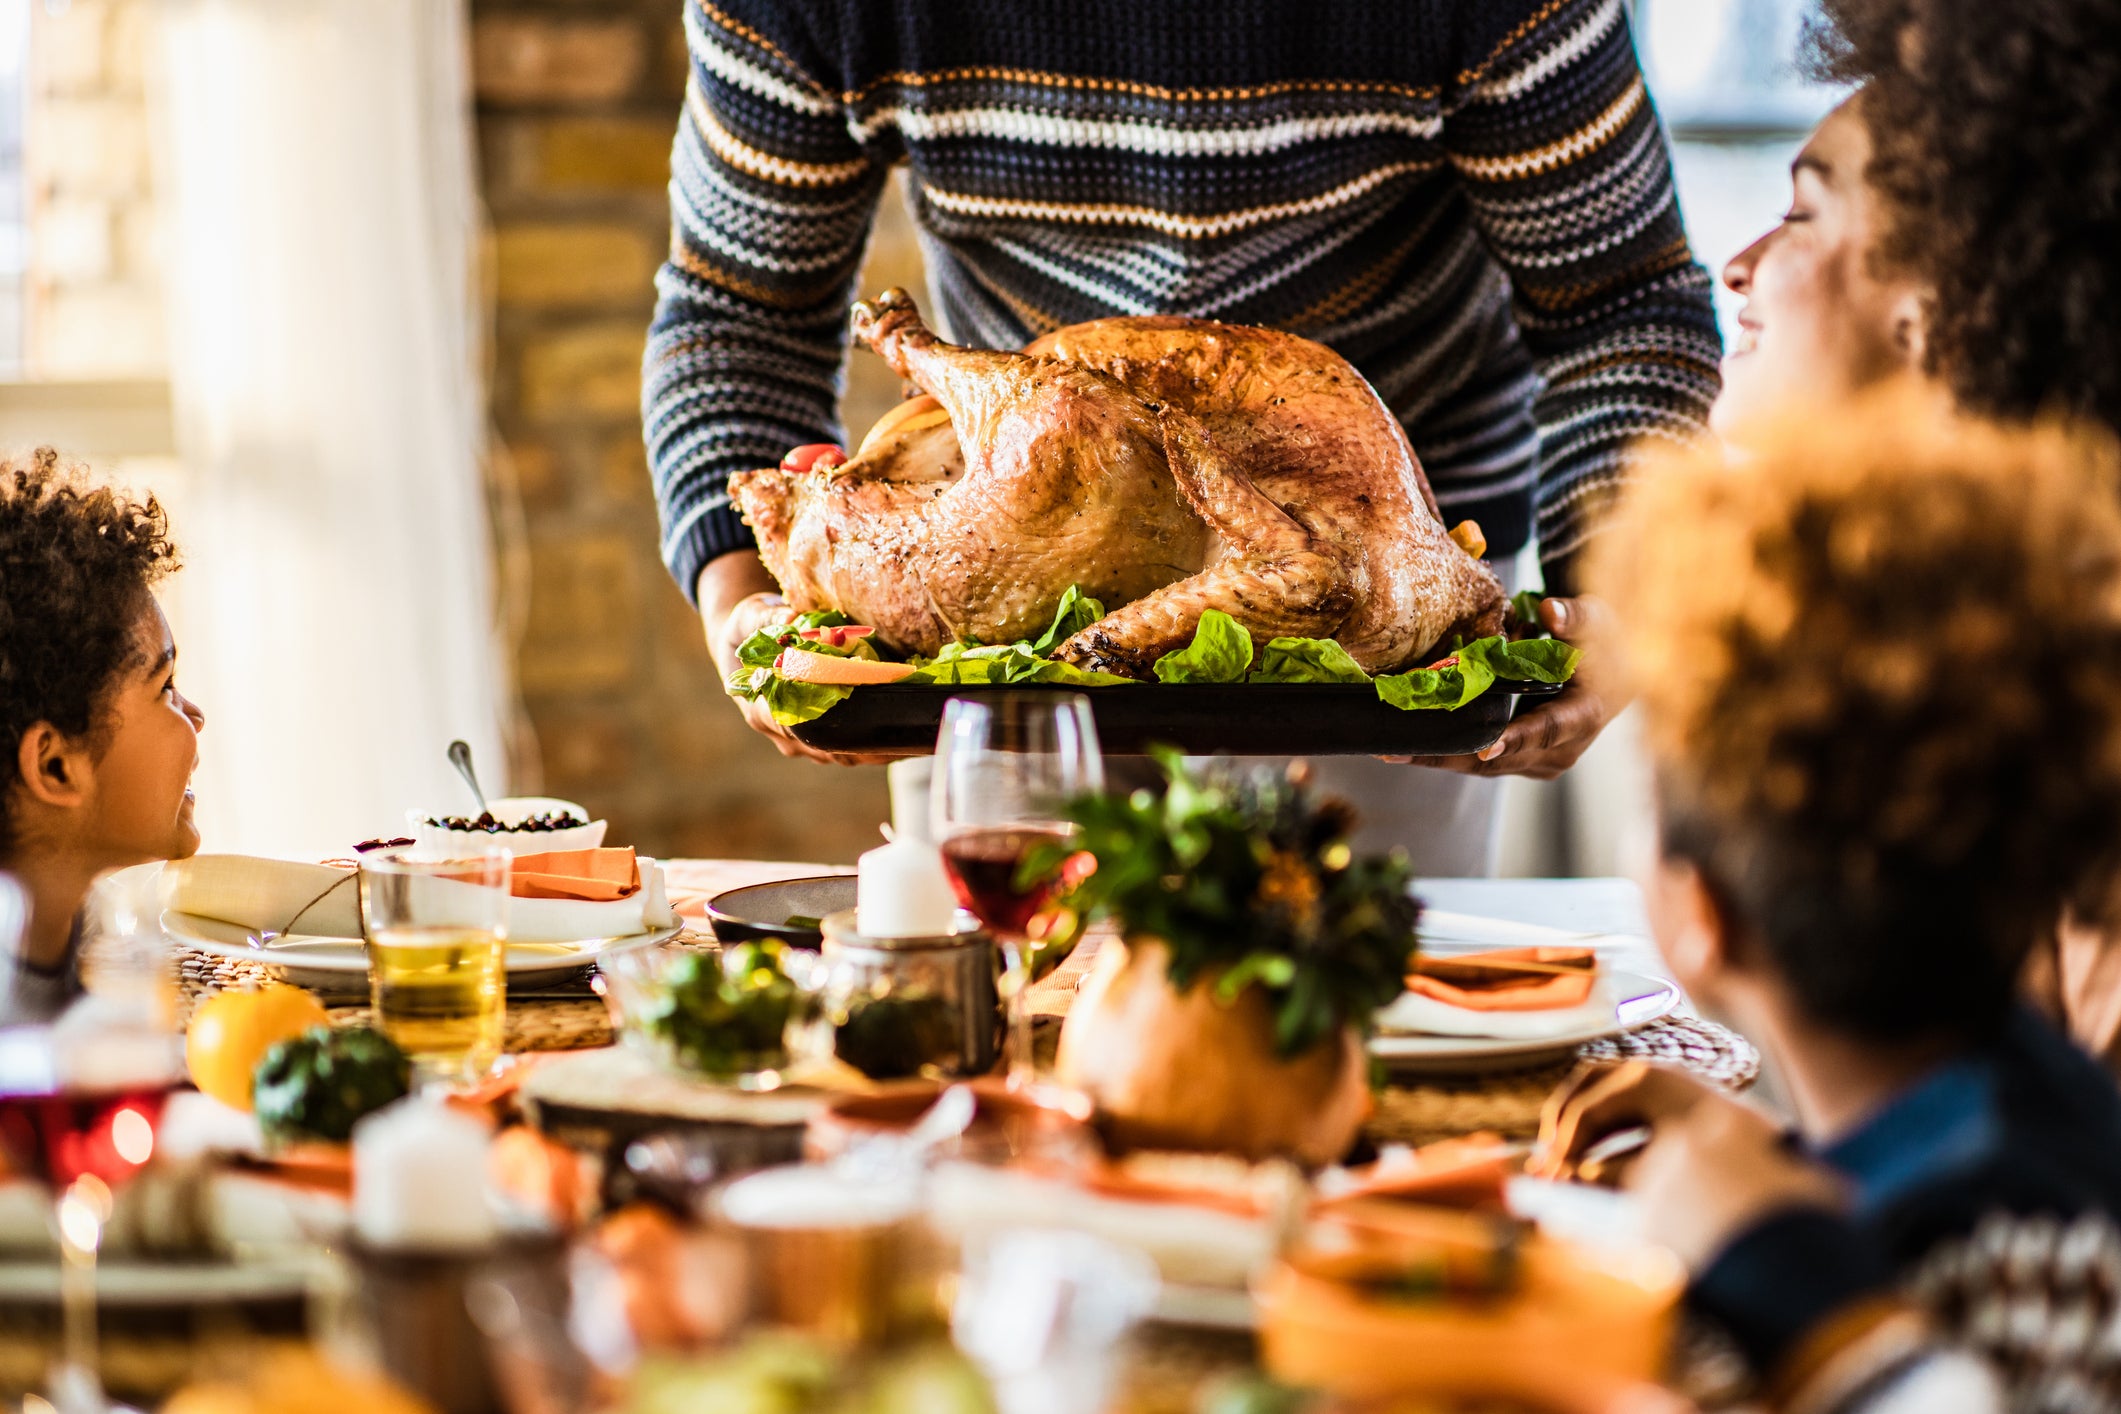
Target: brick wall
[
  {"x": 92, "y": 295},
  {"x": 577, "y": 105}
]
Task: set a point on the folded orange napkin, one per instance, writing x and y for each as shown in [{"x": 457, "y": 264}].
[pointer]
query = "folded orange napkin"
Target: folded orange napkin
[
  {"x": 1454, "y": 1173},
  {"x": 596, "y": 875},
  {"x": 1508, "y": 979}
]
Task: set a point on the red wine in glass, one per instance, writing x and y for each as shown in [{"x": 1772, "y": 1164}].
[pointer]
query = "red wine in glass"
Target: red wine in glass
[
  {"x": 59, "y": 1136},
  {"x": 983, "y": 866}
]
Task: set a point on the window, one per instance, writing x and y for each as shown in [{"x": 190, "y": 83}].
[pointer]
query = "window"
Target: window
[
  {"x": 14, "y": 239},
  {"x": 82, "y": 364},
  {"x": 1725, "y": 76}
]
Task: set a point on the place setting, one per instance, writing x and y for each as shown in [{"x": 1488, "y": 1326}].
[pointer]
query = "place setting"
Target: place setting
[{"x": 570, "y": 900}]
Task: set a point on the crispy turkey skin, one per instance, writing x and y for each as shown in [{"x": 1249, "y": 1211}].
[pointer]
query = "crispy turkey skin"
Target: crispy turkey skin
[{"x": 1167, "y": 465}]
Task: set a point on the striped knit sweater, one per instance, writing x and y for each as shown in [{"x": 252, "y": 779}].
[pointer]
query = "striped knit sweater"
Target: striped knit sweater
[{"x": 1471, "y": 201}]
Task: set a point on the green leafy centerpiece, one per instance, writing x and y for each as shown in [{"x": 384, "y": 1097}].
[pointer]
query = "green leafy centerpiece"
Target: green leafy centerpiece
[{"x": 1255, "y": 948}]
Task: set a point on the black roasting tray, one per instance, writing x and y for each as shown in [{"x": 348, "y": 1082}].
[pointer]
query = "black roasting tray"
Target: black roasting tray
[{"x": 1244, "y": 719}]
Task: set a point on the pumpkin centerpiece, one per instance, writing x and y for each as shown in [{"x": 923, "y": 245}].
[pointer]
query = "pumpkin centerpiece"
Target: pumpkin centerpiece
[{"x": 1255, "y": 948}]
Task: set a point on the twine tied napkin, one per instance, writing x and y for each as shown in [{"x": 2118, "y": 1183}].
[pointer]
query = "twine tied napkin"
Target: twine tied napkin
[{"x": 564, "y": 898}]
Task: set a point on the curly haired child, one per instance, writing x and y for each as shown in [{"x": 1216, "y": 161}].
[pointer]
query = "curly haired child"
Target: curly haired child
[
  {"x": 99, "y": 745},
  {"x": 1880, "y": 662}
]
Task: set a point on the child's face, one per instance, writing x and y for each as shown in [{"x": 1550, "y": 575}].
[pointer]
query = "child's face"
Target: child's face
[{"x": 141, "y": 807}]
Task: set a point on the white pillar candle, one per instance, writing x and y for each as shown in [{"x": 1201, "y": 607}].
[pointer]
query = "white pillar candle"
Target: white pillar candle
[
  {"x": 903, "y": 892},
  {"x": 420, "y": 1179}
]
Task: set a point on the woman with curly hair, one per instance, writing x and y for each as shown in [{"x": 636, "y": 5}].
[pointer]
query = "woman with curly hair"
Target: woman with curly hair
[
  {"x": 1880, "y": 661},
  {"x": 99, "y": 745},
  {"x": 1961, "y": 217},
  {"x": 1993, "y": 153},
  {"x": 1957, "y": 223}
]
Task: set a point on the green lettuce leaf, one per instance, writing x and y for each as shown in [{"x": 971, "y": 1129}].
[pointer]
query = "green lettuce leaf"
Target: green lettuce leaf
[
  {"x": 1524, "y": 605},
  {"x": 1427, "y": 689},
  {"x": 1077, "y": 612},
  {"x": 1547, "y": 660},
  {"x": 1002, "y": 664},
  {"x": 1478, "y": 665},
  {"x": 749, "y": 682},
  {"x": 1221, "y": 651},
  {"x": 795, "y": 702},
  {"x": 759, "y": 650},
  {"x": 966, "y": 664},
  {"x": 1306, "y": 660},
  {"x": 790, "y": 702},
  {"x": 1068, "y": 675}
]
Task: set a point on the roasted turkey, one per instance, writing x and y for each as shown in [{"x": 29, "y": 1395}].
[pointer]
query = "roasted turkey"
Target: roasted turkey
[{"x": 1168, "y": 466}]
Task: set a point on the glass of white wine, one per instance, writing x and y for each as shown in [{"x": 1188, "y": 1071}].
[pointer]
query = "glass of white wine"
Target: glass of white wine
[{"x": 437, "y": 934}]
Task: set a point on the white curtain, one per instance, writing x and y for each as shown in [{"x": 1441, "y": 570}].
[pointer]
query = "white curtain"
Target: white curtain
[{"x": 336, "y": 613}]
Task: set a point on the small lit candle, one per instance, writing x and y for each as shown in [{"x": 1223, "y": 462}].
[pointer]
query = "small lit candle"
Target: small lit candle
[{"x": 420, "y": 1179}]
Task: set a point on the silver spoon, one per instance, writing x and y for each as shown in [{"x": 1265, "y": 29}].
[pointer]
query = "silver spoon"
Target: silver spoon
[{"x": 460, "y": 757}]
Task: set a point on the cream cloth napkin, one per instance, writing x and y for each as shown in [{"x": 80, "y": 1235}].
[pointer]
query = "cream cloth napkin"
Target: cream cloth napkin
[{"x": 324, "y": 900}]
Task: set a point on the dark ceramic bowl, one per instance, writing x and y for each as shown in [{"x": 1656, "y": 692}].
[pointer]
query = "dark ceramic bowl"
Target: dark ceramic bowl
[{"x": 757, "y": 912}]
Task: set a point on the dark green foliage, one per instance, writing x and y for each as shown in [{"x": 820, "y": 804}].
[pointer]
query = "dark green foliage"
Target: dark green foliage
[
  {"x": 727, "y": 1015},
  {"x": 319, "y": 1084},
  {"x": 1245, "y": 876}
]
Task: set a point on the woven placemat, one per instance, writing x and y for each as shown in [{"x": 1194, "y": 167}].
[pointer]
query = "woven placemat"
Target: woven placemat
[
  {"x": 574, "y": 1025},
  {"x": 541, "y": 1024},
  {"x": 1445, "y": 1107}
]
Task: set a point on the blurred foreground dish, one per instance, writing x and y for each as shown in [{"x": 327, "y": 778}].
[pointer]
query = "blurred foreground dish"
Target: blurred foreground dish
[{"x": 1388, "y": 1299}]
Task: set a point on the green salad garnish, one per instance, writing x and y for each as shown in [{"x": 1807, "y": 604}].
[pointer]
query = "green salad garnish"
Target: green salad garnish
[
  {"x": 727, "y": 1015},
  {"x": 793, "y": 702},
  {"x": 1221, "y": 652}
]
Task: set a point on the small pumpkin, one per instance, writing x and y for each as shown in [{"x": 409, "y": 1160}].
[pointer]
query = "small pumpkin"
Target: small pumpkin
[
  {"x": 1186, "y": 1070},
  {"x": 1259, "y": 946}
]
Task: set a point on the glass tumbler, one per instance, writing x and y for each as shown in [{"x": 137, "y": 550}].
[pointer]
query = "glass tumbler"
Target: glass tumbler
[{"x": 437, "y": 936}]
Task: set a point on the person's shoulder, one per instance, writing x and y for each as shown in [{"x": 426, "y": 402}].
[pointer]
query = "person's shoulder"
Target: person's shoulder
[
  {"x": 2033, "y": 1296},
  {"x": 2051, "y": 1154},
  {"x": 819, "y": 41},
  {"x": 1488, "y": 33}
]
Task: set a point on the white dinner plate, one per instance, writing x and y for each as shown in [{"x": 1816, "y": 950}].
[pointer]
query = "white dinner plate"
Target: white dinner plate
[
  {"x": 1638, "y": 1000},
  {"x": 1638, "y": 997},
  {"x": 341, "y": 964}
]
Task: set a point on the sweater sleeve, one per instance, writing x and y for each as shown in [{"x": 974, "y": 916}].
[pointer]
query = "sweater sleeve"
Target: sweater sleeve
[
  {"x": 771, "y": 200},
  {"x": 2018, "y": 1314},
  {"x": 1569, "y": 177}
]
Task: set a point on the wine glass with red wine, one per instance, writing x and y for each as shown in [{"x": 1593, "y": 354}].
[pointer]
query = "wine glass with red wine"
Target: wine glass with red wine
[
  {"x": 81, "y": 1101},
  {"x": 1006, "y": 764}
]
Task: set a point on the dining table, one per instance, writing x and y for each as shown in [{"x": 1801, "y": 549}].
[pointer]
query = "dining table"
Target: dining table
[
  {"x": 1605, "y": 913},
  {"x": 563, "y": 1031}
]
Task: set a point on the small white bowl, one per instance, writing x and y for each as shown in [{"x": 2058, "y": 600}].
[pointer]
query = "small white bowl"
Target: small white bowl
[{"x": 509, "y": 810}]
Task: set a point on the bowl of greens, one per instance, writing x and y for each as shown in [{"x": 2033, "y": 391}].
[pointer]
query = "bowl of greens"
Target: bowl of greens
[{"x": 742, "y": 1015}]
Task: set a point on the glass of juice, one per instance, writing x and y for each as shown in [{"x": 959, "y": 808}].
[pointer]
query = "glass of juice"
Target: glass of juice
[{"x": 437, "y": 934}]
